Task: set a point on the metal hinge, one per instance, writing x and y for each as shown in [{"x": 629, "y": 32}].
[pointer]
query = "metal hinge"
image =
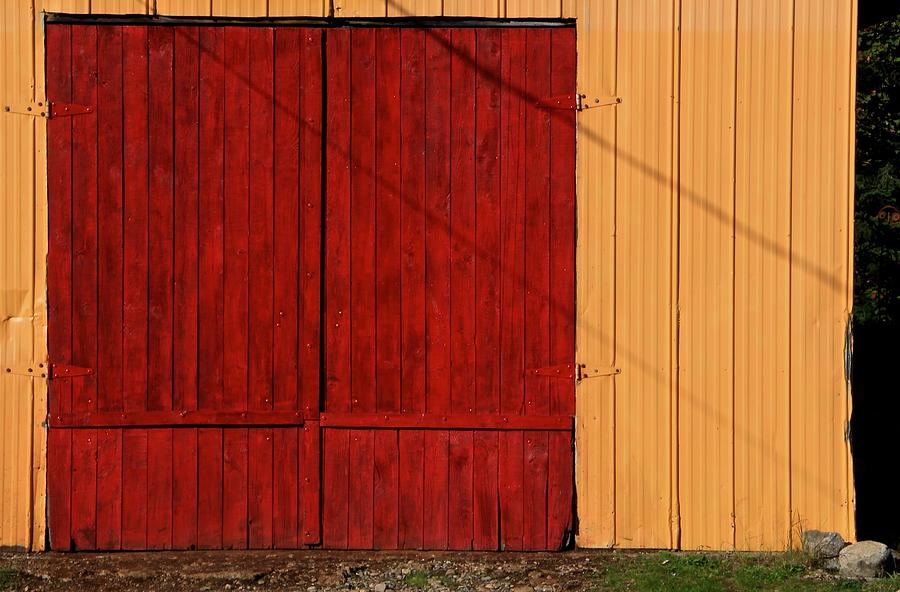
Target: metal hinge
[
  {"x": 572, "y": 371},
  {"x": 48, "y": 109},
  {"x": 577, "y": 102},
  {"x": 58, "y": 371},
  {"x": 32, "y": 370}
]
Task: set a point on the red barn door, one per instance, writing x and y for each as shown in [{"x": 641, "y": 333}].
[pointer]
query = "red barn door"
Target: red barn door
[
  {"x": 449, "y": 289},
  {"x": 187, "y": 259},
  {"x": 184, "y": 272}
]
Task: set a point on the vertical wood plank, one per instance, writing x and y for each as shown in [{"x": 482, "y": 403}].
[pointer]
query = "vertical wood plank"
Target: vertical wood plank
[
  {"x": 462, "y": 280},
  {"x": 412, "y": 280},
  {"x": 84, "y": 289},
  {"x": 185, "y": 490},
  {"x": 337, "y": 226},
  {"x": 311, "y": 470},
  {"x": 437, "y": 230},
  {"x": 111, "y": 507},
  {"x": 136, "y": 325},
  {"x": 261, "y": 254},
  {"x": 336, "y": 488},
  {"x": 361, "y": 459},
  {"x": 110, "y": 206},
  {"x": 235, "y": 451},
  {"x": 162, "y": 219},
  {"x": 437, "y": 288},
  {"x": 160, "y": 493},
  {"x": 286, "y": 499},
  {"x": 59, "y": 280},
  {"x": 387, "y": 220},
  {"x": 211, "y": 334},
  {"x": 135, "y": 494},
  {"x": 562, "y": 288},
  {"x": 261, "y": 490},
  {"x": 388, "y": 282},
  {"x": 512, "y": 265},
  {"x": 412, "y": 221},
  {"x": 237, "y": 210},
  {"x": 110, "y": 270},
  {"x": 362, "y": 219},
  {"x": 209, "y": 488},
  {"x": 260, "y": 203},
  {"x": 311, "y": 195},
  {"x": 537, "y": 282},
  {"x": 185, "y": 518},
  {"x": 411, "y": 477},
  {"x": 286, "y": 294},
  {"x": 436, "y": 490},
  {"x": 187, "y": 211},
  {"x": 159, "y": 43}
]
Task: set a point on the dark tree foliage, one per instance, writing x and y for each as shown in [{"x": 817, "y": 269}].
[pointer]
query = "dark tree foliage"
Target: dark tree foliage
[{"x": 877, "y": 259}]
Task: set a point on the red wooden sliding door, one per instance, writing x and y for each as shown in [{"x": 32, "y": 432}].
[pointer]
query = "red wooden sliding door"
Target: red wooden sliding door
[
  {"x": 184, "y": 272},
  {"x": 449, "y": 289},
  {"x": 234, "y": 210}
]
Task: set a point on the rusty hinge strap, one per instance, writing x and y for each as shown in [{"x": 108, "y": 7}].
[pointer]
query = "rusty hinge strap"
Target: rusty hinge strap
[
  {"x": 569, "y": 371},
  {"x": 38, "y": 370},
  {"x": 558, "y": 371},
  {"x": 584, "y": 372},
  {"x": 577, "y": 102},
  {"x": 48, "y": 109},
  {"x": 58, "y": 371}
]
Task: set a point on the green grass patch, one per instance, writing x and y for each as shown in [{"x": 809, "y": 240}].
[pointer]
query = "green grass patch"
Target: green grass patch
[
  {"x": 8, "y": 578},
  {"x": 727, "y": 572},
  {"x": 416, "y": 579}
]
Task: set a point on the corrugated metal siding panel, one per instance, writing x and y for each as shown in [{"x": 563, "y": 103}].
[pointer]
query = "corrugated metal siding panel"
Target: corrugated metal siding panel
[
  {"x": 415, "y": 7},
  {"x": 479, "y": 8},
  {"x": 706, "y": 265},
  {"x": 39, "y": 331},
  {"x": 16, "y": 276},
  {"x": 534, "y": 8},
  {"x": 762, "y": 275},
  {"x": 121, "y": 6},
  {"x": 820, "y": 223},
  {"x": 245, "y": 8},
  {"x": 360, "y": 8},
  {"x": 643, "y": 324},
  {"x": 184, "y": 7},
  {"x": 596, "y": 278},
  {"x": 70, "y": 6}
]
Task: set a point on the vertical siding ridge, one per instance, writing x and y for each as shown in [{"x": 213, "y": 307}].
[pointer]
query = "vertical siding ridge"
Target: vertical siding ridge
[
  {"x": 675, "y": 283},
  {"x": 734, "y": 215},
  {"x": 790, "y": 295}
]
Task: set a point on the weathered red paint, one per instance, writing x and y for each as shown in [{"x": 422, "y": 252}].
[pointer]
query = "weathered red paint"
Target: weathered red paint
[{"x": 186, "y": 270}]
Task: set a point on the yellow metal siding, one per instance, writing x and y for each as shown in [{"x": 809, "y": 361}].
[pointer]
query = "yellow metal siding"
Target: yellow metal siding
[
  {"x": 820, "y": 222},
  {"x": 706, "y": 259},
  {"x": 17, "y": 302},
  {"x": 596, "y": 279},
  {"x": 762, "y": 275},
  {"x": 643, "y": 309},
  {"x": 714, "y": 260}
]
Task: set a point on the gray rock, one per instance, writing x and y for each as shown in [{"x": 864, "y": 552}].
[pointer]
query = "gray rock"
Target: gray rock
[
  {"x": 380, "y": 587},
  {"x": 865, "y": 559},
  {"x": 822, "y": 545}
]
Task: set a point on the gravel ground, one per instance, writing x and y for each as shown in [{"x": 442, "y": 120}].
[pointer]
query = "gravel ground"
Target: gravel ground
[{"x": 306, "y": 571}]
